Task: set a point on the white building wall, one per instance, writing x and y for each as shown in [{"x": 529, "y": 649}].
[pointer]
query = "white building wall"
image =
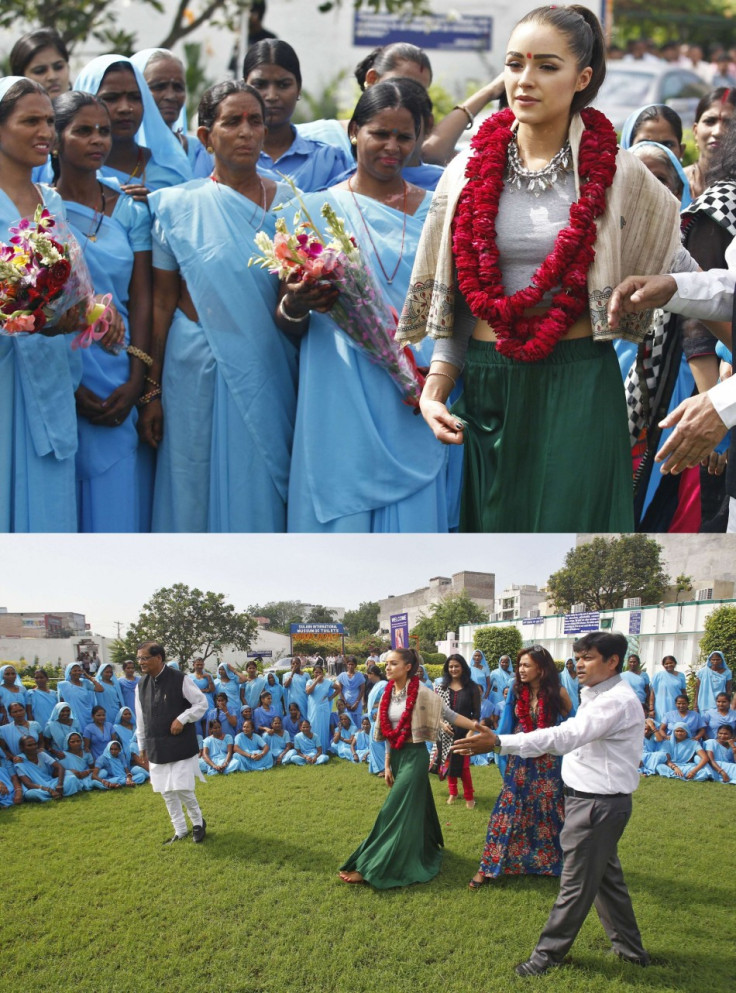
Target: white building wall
[
  {"x": 48, "y": 651},
  {"x": 669, "y": 629}
]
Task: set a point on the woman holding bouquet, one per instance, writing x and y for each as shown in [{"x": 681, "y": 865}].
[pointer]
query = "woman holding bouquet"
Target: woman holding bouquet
[
  {"x": 546, "y": 210},
  {"x": 38, "y": 374},
  {"x": 352, "y": 425},
  {"x": 223, "y": 415},
  {"x": 114, "y": 481}
]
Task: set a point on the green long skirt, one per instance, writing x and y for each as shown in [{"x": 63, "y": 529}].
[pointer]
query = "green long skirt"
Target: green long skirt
[
  {"x": 405, "y": 844},
  {"x": 546, "y": 443}
]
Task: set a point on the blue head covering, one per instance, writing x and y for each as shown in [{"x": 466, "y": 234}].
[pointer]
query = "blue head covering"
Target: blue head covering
[
  {"x": 686, "y": 196},
  {"x": 722, "y": 657},
  {"x": 682, "y": 751},
  {"x": 141, "y": 60},
  {"x": 627, "y": 131},
  {"x": 154, "y": 133},
  {"x": 108, "y": 665},
  {"x": 7, "y": 81},
  {"x": 9, "y": 665},
  {"x": 173, "y": 665},
  {"x": 68, "y": 670},
  {"x": 68, "y": 736},
  {"x": 119, "y": 715}
]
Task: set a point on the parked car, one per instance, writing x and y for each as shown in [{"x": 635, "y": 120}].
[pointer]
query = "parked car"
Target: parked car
[{"x": 628, "y": 86}]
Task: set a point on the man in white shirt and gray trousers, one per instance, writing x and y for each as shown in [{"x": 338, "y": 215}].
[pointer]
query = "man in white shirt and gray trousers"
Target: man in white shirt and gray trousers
[
  {"x": 167, "y": 704},
  {"x": 601, "y": 746}
]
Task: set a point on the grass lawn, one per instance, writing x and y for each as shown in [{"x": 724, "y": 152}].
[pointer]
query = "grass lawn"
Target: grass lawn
[{"x": 92, "y": 902}]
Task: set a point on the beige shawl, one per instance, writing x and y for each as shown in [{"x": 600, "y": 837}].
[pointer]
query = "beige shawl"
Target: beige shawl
[
  {"x": 425, "y": 718},
  {"x": 638, "y": 233}
]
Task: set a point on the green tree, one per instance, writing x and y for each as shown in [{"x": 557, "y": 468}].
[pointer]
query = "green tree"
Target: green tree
[
  {"x": 447, "y": 615},
  {"x": 603, "y": 572},
  {"x": 189, "y": 624},
  {"x": 683, "y": 584},
  {"x": 497, "y": 641},
  {"x": 720, "y": 635},
  {"x": 363, "y": 622},
  {"x": 280, "y": 613},
  {"x": 320, "y": 615}
]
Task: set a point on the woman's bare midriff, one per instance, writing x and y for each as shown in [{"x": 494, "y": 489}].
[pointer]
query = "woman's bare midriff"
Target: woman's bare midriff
[
  {"x": 580, "y": 329},
  {"x": 185, "y": 304}
]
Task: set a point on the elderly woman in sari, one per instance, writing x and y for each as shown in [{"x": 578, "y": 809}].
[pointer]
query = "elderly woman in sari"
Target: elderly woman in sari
[
  {"x": 223, "y": 423},
  {"x": 79, "y": 763},
  {"x": 42, "y": 777},
  {"x": 58, "y": 727},
  {"x": 685, "y": 758}
]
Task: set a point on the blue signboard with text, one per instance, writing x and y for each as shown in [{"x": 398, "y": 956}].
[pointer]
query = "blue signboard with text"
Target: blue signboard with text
[
  {"x": 579, "y": 623},
  {"x": 448, "y": 32}
]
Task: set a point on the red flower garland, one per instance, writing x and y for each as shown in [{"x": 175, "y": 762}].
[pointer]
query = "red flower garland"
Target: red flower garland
[
  {"x": 529, "y": 338},
  {"x": 523, "y": 711},
  {"x": 398, "y": 736}
]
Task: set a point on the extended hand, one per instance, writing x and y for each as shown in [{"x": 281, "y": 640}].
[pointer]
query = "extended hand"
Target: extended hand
[
  {"x": 476, "y": 744},
  {"x": 699, "y": 429},
  {"x": 637, "y": 293}
]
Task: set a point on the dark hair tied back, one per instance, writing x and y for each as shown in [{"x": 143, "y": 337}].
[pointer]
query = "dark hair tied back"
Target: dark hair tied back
[
  {"x": 213, "y": 97},
  {"x": 584, "y": 35},
  {"x": 273, "y": 52}
]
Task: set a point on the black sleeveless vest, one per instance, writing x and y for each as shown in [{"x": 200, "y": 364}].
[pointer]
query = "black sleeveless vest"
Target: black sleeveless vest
[{"x": 162, "y": 701}]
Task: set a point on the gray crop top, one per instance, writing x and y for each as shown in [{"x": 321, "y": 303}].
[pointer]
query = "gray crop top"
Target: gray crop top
[{"x": 526, "y": 228}]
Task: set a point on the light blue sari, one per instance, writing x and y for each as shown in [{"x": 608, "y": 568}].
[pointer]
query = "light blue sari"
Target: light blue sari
[
  {"x": 114, "y": 482},
  {"x": 38, "y": 433},
  {"x": 711, "y": 682},
  {"x": 725, "y": 758},
  {"x": 42, "y": 704},
  {"x": 296, "y": 691},
  {"x": 500, "y": 679},
  {"x": 667, "y": 687},
  {"x": 377, "y": 753},
  {"x": 252, "y": 689},
  {"x": 80, "y": 763},
  {"x": 57, "y": 732},
  {"x": 685, "y": 756},
  {"x": 229, "y": 381},
  {"x": 111, "y": 697},
  {"x": 81, "y": 698},
  {"x": 362, "y": 461},
  {"x": 251, "y": 745},
  {"x": 318, "y": 711},
  {"x": 230, "y": 687},
  {"x": 18, "y": 693},
  {"x": 572, "y": 685},
  {"x": 169, "y": 164}
]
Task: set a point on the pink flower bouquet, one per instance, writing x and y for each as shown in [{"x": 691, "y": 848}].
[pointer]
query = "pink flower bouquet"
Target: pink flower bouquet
[
  {"x": 45, "y": 285},
  {"x": 361, "y": 310}
]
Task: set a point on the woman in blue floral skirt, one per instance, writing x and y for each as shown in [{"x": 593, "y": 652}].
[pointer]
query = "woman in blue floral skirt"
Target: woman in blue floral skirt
[{"x": 524, "y": 829}]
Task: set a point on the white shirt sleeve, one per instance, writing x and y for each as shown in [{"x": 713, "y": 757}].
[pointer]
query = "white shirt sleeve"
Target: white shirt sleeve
[
  {"x": 140, "y": 726},
  {"x": 197, "y": 699},
  {"x": 723, "y": 398},
  {"x": 598, "y": 720}
]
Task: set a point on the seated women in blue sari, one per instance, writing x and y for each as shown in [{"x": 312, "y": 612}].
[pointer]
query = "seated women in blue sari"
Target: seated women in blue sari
[
  {"x": 714, "y": 678},
  {"x": 343, "y": 740},
  {"x": 217, "y": 752},
  {"x": 12, "y": 689},
  {"x": 224, "y": 423},
  {"x": 653, "y": 749},
  {"x": 293, "y": 721},
  {"x": 111, "y": 768},
  {"x": 98, "y": 733},
  {"x": 392, "y": 472},
  {"x": 38, "y": 374},
  {"x": 41, "y": 776},
  {"x": 721, "y": 752},
  {"x": 115, "y": 481},
  {"x": 226, "y": 713},
  {"x": 11, "y": 791},
  {"x": 569, "y": 680},
  {"x": 18, "y": 728},
  {"x": 307, "y": 749},
  {"x": 279, "y": 742},
  {"x": 667, "y": 684},
  {"x": 363, "y": 741},
  {"x": 41, "y": 699},
  {"x": 145, "y": 153},
  {"x": 61, "y": 722},
  {"x": 272, "y": 67},
  {"x": 252, "y": 752},
  {"x": 336, "y": 714},
  {"x": 719, "y": 715},
  {"x": 264, "y": 715},
  {"x": 682, "y": 713},
  {"x": 79, "y": 762},
  {"x": 124, "y": 732},
  {"x": 685, "y": 758},
  {"x": 278, "y": 694},
  {"x": 127, "y": 684},
  {"x": 320, "y": 692},
  {"x": 111, "y": 697},
  {"x": 164, "y": 76}
]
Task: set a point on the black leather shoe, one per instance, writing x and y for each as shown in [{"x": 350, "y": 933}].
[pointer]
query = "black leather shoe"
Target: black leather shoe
[
  {"x": 530, "y": 968},
  {"x": 642, "y": 961},
  {"x": 177, "y": 837},
  {"x": 199, "y": 831}
]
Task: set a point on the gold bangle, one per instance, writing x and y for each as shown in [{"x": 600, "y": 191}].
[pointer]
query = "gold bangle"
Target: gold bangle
[
  {"x": 471, "y": 119},
  {"x": 288, "y": 317},
  {"x": 149, "y": 397},
  {"x": 138, "y": 353},
  {"x": 437, "y": 372}
]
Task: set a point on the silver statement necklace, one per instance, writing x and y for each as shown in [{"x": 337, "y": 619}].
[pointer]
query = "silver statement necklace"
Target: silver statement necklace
[
  {"x": 401, "y": 695},
  {"x": 542, "y": 179}
]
